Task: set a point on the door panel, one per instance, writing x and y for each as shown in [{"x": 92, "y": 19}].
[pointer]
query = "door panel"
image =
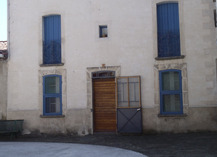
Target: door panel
[
  {"x": 129, "y": 120},
  {"x": 104, "y": 105}
]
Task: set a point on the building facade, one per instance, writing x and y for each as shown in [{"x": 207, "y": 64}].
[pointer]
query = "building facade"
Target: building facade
[{"x": 80, "y": 67}]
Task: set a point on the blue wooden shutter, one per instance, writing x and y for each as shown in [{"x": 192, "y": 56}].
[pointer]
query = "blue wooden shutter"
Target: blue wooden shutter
[
  {"x": 52, "y": 40},
  {"x": 168, "y": 30}
]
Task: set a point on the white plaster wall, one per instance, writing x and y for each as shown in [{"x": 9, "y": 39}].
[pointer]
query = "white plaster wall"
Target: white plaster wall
[
  {"x": 200, "y": 53},
  {"x": 130, "y": 34},
  {"x": 131, "y": 44}
]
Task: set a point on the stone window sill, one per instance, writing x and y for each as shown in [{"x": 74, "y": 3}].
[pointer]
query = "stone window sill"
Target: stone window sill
[
  {"x": 172, "y": 115},
  {"x": 52, "y": 116},
  {"x": 169, "y": 58},
  {"x": 48, "y": 65}
]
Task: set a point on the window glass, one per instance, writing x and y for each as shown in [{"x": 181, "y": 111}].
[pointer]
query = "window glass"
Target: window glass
[
  {"x": 171, "y": 103},
  {"x": 52, "y": 85},
  {"x": 52, "y": 95},
  {"x": 171, "y": 92},
  {"x": 52, "y": 105},
  {"x": 170, "y": 80}
]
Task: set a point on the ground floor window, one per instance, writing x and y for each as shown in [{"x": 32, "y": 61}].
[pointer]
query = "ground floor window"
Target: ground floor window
[
  {"x": 52, "y": 95},
  {"x": 129, "y": 95},
  {"x": 171, "y": 92}
]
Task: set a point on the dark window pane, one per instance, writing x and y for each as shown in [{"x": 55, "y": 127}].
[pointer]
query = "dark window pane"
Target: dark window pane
[
  {"x": 103, "y": 74},
  {"x": 94, "y": 75},
  {"x": 170, "y": 81},
  {"x": 103, "y": 31},
  {"x": 171, "y": 103}
]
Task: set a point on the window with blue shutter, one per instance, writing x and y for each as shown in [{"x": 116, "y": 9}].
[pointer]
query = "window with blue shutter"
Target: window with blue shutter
[
  {"x": 171, "y": 92},
  {"x": 168, "y": 30},
  {"x": 52, "y": 95},
  {"x": 52, "y": 39}
]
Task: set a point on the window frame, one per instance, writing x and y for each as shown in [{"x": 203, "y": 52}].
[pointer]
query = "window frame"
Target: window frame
[
  {"x": 44, "y": 62},
  {"x": 170, "y": 92},
  {"x": 128, "y": 92},
  {"x": 176, "y": 55},
  {"x": 57, "y": 95}
]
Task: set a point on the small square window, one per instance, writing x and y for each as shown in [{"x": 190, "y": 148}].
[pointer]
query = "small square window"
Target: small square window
[{"x": 103, "y": 31}]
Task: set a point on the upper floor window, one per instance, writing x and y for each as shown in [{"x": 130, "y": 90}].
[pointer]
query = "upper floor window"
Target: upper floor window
[
  {"x": 168, "y": 30},
  {"x": 52, "y": 39},
  {"x": 103, "y": 31},
  {"x": 171, "y": 92},
  {"x": 52, "y": 95}
]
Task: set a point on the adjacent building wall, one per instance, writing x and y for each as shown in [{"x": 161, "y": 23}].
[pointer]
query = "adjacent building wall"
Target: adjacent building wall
[
  {"x": 3, "y": 79},
  {"x": 3, "y": 89},
  {"x": 130, "y": 49}
]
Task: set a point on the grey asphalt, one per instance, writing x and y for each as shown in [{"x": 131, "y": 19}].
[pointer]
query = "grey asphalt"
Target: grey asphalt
[{"x": 43, "y": 149}]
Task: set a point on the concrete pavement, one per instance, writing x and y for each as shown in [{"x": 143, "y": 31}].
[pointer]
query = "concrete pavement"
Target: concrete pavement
[{"x": 43, "y": 149}]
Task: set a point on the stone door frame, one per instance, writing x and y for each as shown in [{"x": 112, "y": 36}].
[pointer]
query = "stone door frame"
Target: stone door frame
[{"x": 89, "y": 72}]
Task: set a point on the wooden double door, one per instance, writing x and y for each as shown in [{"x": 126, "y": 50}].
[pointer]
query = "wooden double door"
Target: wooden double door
[{"x": 104, "y": 105}]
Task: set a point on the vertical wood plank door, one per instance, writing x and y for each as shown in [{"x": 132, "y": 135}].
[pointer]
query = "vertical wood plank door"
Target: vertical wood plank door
[{"x": 104, "y": 105}]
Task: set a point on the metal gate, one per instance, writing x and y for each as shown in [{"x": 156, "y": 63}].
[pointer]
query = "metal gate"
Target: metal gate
[{"x": 129, "y": 114}]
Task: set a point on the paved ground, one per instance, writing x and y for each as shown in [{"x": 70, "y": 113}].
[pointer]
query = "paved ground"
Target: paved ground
[
  {"x": 38, "y": 149},
  {"x": 158, "y": 145}
]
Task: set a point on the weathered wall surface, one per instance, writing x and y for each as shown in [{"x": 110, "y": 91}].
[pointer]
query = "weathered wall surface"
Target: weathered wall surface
[
  {"x": 130, "y": 49},
  {"x": 3, "y": 89}
]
